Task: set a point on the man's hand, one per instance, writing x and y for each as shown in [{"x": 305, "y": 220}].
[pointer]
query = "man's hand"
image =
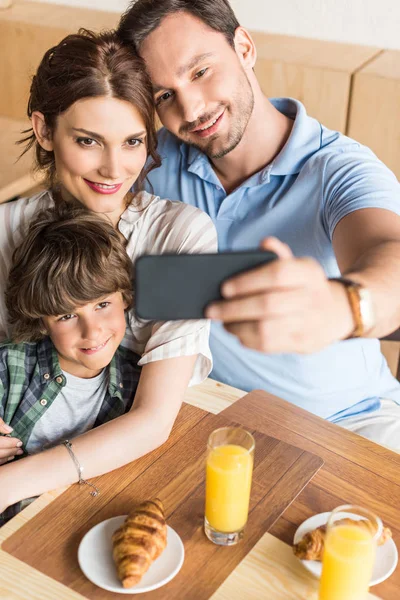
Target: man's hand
[
  {"x": 9, "y": 446},
  {"x": 287, "y": 305}
]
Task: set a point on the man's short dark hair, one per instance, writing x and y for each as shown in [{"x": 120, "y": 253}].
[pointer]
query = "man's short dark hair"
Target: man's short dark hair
[{"x": 144, "y": 16}]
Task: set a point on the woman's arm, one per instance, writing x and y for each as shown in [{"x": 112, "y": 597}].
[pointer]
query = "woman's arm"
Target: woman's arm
[{"x": 148, "y": 424}]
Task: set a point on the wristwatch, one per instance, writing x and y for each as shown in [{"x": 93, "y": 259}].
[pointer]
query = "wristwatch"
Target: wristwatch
[{"x": 361, "y": 304}]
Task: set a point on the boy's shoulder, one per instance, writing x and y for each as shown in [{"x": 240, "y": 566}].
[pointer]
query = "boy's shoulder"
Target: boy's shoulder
[
  {"x": 24, "y": 355},
  {"x": 17, "y": 361},
  {"x": 10, "y": 347},
  {"x": 10, "y": 350}
]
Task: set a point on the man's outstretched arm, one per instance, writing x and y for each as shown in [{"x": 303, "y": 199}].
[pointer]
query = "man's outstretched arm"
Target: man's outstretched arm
[{"x": 290, "y": 305}]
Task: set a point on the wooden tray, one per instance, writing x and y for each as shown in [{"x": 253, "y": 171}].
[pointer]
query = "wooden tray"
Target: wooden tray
[{"x": 175, "y": 473}]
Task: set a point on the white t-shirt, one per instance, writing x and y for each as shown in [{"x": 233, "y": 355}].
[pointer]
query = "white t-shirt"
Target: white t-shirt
[
  {"x": 73, "y": 412},
  {"x": 151, "y": 226}
]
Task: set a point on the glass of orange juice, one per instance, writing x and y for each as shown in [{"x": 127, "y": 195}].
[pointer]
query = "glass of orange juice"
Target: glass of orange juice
[
  {"x": 229, "y": 469},
  {"x": 349, "y": 553}
]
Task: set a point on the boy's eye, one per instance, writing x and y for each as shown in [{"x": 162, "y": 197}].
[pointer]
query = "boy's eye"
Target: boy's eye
[
  {"x": 103, "y": 304},
  {"x": 200, "y": 73},
  {"x": 66, "y": 318},
  {"x": 87, "y": 142}
]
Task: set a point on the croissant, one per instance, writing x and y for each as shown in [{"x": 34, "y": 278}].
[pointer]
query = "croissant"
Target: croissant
[
  {"x": 311, "y": 546},
  {"x": 139, "y": 541}
]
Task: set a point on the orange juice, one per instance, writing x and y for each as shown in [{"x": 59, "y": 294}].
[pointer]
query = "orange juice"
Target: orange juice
[
  {"x": 228, "y": 482},
  {"x": 347, "y": 563}
]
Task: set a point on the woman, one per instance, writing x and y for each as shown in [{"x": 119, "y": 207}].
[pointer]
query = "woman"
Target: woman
[{"x": 91, "y": 109}]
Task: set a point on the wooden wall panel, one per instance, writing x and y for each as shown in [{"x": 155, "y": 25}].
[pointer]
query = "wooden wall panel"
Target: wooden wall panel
[
  {"x": 315, "y": 72},
  {"x": 15, "y": 175},
  {"x": 27, "y": 30},
  {"x": 324, "y": 94},
  {"x": 375, "y": 108},
  {"x": 391, "y": 351}
]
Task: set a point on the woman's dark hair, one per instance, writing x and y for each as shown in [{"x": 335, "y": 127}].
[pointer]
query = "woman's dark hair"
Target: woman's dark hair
[
  {"x": 69, "y": 257},
  {"x": 143, "y": 16},
  {"x": 89, "y": 65}
]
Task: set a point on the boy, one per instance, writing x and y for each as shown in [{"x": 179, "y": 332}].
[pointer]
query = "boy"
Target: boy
[{"x": 64, "y": 372}]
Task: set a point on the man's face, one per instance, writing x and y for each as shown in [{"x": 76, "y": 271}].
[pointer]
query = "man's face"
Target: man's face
[{"x": 201, "y": 90}]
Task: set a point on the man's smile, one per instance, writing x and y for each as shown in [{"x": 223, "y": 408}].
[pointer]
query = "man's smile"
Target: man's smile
[{"x": 205, "y": 130}]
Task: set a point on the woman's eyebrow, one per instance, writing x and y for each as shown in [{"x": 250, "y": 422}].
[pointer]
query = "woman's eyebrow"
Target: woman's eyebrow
[
  {"x": 100, "y": 137},
  {"x": 88, "y": 133}
]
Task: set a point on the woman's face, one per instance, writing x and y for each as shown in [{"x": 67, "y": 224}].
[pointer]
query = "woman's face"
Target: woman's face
[{"x": 100, "y": 148}]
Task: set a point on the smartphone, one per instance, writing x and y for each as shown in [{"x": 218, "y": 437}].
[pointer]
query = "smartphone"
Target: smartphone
[{"x": 181, "y": 286}]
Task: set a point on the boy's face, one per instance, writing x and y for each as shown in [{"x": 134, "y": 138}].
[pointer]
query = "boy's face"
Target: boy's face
[
  {"x": 201, "y": 86},
  {"x": 86, "y": 340}
]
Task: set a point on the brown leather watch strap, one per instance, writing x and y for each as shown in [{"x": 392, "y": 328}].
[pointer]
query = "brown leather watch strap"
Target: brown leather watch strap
[{"x": 353, "y": 294}]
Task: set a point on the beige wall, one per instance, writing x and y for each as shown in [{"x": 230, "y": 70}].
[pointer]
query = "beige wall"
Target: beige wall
[{"x": 367, "y": 22}]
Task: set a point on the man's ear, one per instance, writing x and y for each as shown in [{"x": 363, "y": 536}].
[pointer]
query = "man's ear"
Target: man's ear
[
  {"x": 245, "y": 48},
  {"x": 41, "y": 131}
]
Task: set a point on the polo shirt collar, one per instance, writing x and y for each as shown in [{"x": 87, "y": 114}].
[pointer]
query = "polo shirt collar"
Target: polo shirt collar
[
  {"x": 303, "y": 142},
  {"x": 304, "y": 139},
  {"x": 199, "y": 164}
]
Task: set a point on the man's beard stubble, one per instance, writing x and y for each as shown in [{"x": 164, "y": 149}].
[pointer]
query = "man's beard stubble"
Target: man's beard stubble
[{"x": 243, "y": 104}]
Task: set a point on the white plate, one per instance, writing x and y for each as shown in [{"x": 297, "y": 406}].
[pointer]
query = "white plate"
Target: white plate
[
  {"x": 386, "y": 555},
  {"x": 96, "y": 561}
]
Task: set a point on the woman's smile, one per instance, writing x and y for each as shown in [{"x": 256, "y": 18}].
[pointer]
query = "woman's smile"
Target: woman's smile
[{"x": 103, "y": 188}]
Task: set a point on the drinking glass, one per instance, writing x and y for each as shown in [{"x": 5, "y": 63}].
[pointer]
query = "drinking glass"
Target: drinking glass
[
  {"x": 229, "y": 468},
  {"x": 349, "y": 553}
]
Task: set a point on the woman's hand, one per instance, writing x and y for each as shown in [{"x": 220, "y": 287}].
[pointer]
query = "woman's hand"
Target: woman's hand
[{"x": 9, "y": 446}]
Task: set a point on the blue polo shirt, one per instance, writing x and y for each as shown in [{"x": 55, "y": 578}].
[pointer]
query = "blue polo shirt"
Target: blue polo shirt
[{"x": 318, "y": 177}]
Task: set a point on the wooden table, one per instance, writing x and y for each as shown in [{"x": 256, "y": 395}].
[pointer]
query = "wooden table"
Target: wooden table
[{"x": 270, "y": 570}]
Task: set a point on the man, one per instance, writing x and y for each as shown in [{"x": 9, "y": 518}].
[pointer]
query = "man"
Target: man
[{"x": 269, "y": 174}]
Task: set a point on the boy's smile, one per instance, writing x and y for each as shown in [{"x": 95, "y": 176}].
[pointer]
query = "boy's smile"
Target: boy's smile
[
  {"x": 87, "y": 339},
  {"x": 95, "y": 349}
]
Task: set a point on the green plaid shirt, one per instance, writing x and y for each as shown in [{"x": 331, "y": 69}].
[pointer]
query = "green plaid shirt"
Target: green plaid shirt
[{"x": 31, "y": 379}]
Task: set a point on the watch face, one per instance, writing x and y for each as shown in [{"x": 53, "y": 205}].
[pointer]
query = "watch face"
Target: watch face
[{"x": 366, "y": 309}]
